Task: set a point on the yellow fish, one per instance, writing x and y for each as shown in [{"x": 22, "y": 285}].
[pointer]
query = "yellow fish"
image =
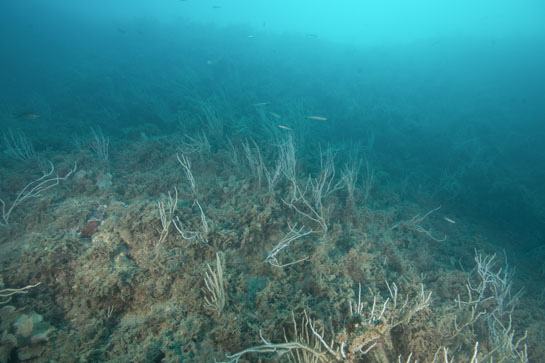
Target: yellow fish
[
  {"x": 26, "y": 115},
  {"x": 319, "y": 118},
  {"x": 449, "y": 220}
]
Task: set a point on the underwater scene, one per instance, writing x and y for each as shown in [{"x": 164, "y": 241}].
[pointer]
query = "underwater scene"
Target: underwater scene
[{"x": 272, "y": 181}]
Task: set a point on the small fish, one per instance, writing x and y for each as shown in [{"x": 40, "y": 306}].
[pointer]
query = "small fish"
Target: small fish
[
  {"x": 211, "y": 62},
  {"x": 319, "y": 118},
  {"x": 285, "y": 127},
  {"x": 261, "y": 104},
  {"x": 251, "y": 36},
  {"x": 449, "y": 220},
  {"x": 274, "y": 114},
  {"x": 216, "y": 7},
  {"x": 26, "y": 115}
]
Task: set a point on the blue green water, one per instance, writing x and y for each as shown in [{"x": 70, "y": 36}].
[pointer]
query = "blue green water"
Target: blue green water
[{"x": 449, "y": 91}]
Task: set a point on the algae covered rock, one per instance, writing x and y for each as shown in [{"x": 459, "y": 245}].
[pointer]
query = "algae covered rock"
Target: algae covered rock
[{"x": 27, "y": 333}]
